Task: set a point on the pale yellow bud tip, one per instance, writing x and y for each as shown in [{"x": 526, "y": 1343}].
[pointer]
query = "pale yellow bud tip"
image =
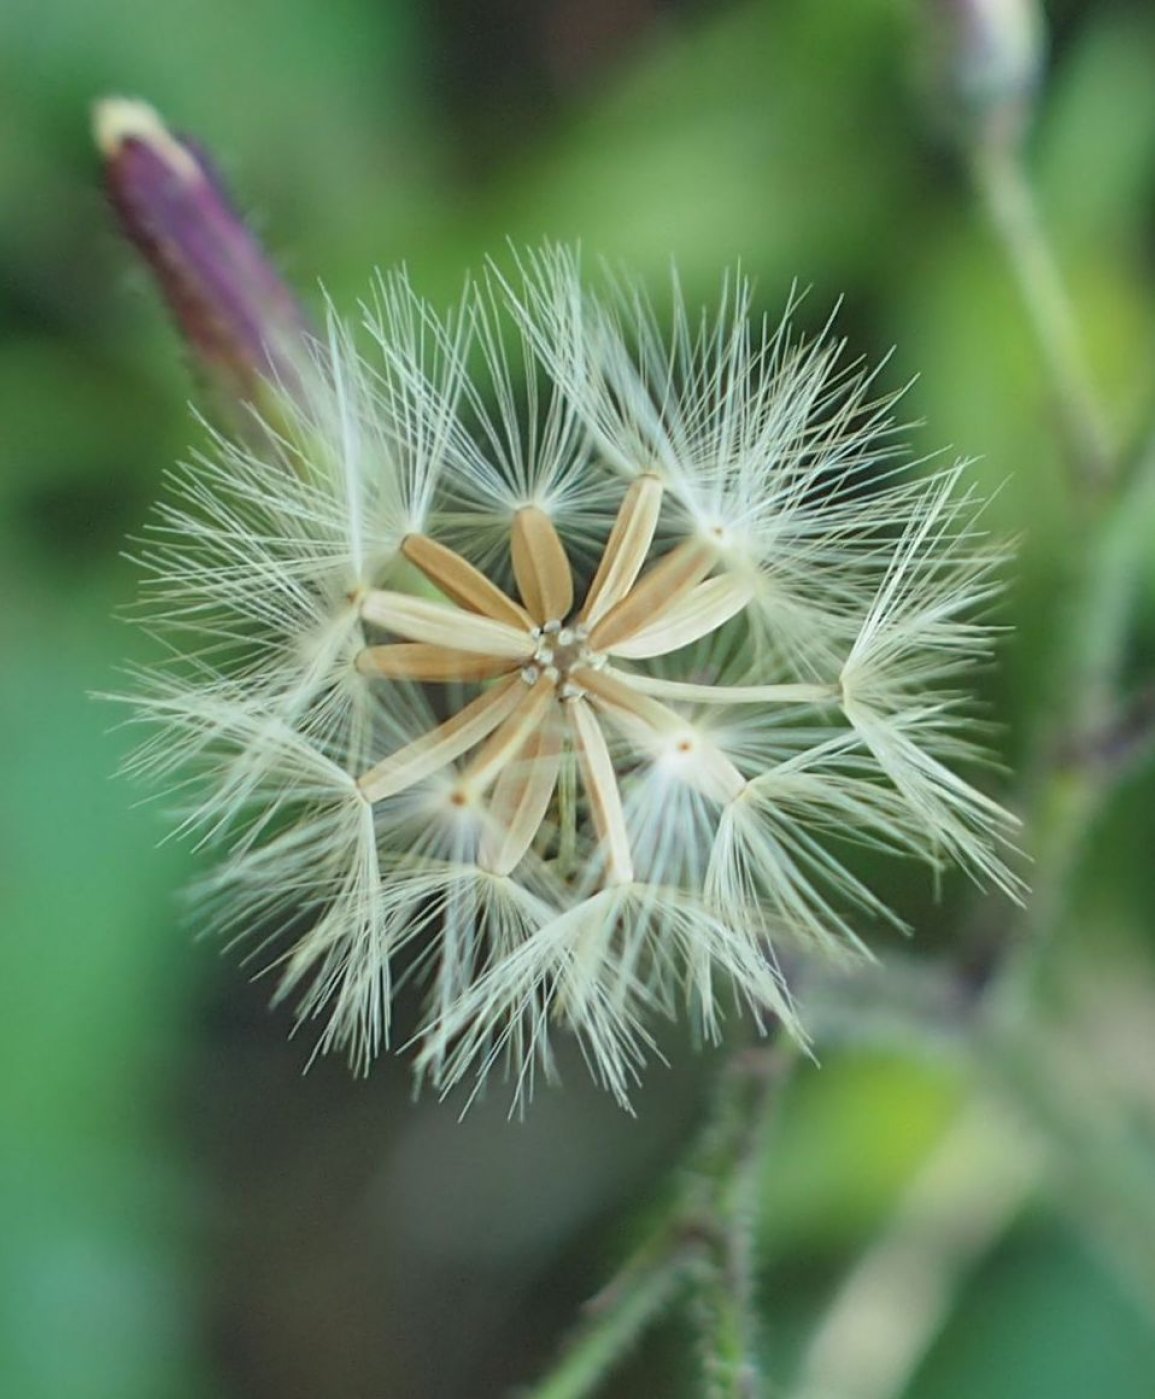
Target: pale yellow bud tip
[{"x": 116, "y": 120}]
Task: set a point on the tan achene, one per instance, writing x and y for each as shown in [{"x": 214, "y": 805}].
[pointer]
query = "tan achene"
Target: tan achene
[{"x": 554, "y": 679}]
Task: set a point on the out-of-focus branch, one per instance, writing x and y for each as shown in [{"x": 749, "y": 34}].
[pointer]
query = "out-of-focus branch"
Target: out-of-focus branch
[
  {"x": 1123, "y": 741},
  {"x": 1009, "y": 199},
  {"x": 986, "y": 61}
]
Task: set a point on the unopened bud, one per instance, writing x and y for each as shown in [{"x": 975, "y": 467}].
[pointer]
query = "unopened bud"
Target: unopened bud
[{"x": 243, "y": 325}]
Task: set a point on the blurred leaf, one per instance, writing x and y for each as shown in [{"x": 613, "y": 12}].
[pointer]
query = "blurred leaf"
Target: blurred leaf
[
  {"x": 1041, "y": 1319},
  {"x": 92, "y": 1287},
  {"x": 852, "y": 1135}
]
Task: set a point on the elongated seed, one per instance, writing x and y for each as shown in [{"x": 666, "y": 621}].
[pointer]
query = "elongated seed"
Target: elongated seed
[
  {"x": 626, "y": 549},
  {"x": 601, "y": 785},
  {"x": 440, "y": 746},
  {"x": 700, "y": 611},
  {"x": 654, "y": 595},
  {"x": 439, "y": 624},
  {"x": 508, "y": 737},
  {"x": 417, "y": 660},
  {"x": 615, "y": 693},
  {"x": 461, "y": 582},
  {"x": 540, "y": 565},
  {"x": 520, "y": 800}
]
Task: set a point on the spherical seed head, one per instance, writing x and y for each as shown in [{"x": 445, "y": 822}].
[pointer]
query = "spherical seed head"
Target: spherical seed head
[{"x": 553, "y": 679}]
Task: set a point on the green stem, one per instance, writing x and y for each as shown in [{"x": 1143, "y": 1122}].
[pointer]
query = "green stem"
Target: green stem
[
  {"x": 705, "y": 1235},
  {"x": 612, "y": 1324},
  {"x": 1108, "y": 1175},
  {"x": 1106, "y": 549},
  {"x": 727, "y": 1283},
  {"x": 1064, "y": 795}
]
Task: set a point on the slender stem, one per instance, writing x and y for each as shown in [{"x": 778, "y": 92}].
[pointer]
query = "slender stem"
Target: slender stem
[
  {"x": 705, "y": 1234},
  {"x": 612, "y": 1323},
  {"x": 1006, "y": 192},
  {"x": 1119, "y": 551},
  {"x": 1106, "y": 551},
  {"x": 727, "y": 1284}
]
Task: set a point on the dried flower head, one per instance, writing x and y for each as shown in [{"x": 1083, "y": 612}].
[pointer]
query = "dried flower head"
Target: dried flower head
[{"x": 545, "y": 655}]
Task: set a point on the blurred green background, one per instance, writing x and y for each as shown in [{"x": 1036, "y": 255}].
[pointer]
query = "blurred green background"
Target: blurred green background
[{"x": 182, "y": 1213}]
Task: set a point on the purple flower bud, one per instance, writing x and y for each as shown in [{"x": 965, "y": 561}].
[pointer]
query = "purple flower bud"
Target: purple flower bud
[{"x": 242, "y": 323}]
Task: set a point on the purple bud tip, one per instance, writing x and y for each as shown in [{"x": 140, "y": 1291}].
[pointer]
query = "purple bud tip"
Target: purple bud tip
[{"x": 241, "y": 321}]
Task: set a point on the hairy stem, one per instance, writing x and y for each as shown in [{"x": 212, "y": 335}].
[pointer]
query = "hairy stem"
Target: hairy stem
[
  {"x": 727, "y": 1302},
  {"x": 613, "y": 1321},
  {"x": 704, "y": 1235}
]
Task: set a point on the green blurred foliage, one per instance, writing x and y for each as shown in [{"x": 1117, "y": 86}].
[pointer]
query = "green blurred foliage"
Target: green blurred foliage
[{"x": 182, "y": 1213}]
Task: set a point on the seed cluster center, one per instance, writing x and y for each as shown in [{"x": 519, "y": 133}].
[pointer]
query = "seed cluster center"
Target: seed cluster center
[{"x": 561, "y": 651}]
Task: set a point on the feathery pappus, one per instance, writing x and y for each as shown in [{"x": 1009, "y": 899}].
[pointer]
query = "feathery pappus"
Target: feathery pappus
[{"x": 548, "y": 651}]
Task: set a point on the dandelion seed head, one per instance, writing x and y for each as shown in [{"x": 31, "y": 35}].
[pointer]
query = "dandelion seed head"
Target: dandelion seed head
[{"x": 545, "y": 652}]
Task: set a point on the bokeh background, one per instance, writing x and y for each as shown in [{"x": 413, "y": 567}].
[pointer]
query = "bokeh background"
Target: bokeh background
[{"x": 183, "y": 1212}]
